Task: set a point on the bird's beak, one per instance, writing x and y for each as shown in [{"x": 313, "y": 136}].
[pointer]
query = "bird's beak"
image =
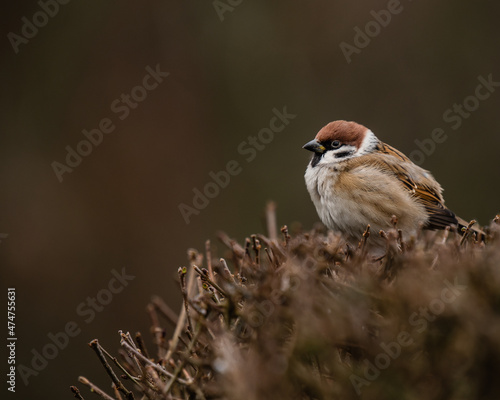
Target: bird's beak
[{"x": 314, "y": 146}]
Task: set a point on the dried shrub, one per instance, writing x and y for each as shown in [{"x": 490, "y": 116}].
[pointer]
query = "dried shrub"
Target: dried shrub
[{"x": 309, "y": 317}]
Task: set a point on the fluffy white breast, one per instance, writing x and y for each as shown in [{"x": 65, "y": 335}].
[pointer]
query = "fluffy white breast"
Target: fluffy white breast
[
  {"x": 346, "y": 199},
  {"x": 320, "y": 181}
]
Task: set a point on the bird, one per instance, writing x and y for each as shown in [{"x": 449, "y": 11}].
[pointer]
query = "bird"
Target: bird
[{"x": 354, "y": 180}]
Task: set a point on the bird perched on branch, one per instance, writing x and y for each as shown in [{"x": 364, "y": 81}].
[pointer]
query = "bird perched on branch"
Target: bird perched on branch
[{"x": 355, "y": 179}]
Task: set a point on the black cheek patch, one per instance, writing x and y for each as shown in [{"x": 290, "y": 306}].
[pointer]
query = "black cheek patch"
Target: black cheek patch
[{"x": 343, "y": 154}]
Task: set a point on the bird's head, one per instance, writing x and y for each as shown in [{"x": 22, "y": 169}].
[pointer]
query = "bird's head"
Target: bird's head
[{"x": 339, "y": 141}]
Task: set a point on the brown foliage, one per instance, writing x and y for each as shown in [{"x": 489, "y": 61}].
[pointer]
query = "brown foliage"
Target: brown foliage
[{"x": 307, "y": 317}]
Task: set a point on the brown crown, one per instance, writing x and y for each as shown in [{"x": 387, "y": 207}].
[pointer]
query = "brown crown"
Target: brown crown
[{"x": 347, "y": 132}]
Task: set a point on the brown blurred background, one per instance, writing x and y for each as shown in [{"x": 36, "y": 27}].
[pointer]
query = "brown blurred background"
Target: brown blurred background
[{"x": 119, "y": 207}]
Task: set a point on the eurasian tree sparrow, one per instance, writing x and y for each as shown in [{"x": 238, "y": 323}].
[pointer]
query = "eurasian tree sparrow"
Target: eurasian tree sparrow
[{"x": 354, "y": 180}]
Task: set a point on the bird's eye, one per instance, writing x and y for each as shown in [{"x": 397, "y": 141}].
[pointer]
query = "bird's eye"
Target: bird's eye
[{"x": 336, "y": 144}]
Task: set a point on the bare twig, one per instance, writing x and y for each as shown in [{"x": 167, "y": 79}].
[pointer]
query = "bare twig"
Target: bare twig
[
  {"x": 248, "y": 243},
  {"x": 158, "y": 382},
  {"x": 94, "y": 344},
  {"x": 272, "y": 229},
  {"x": 270, "y": 257},
  {"x": 76, "y": 392},
  {"x": 466, "y": 232},
  {"x": 157, "y": 330},
  {"x": 141, "y": 344},
  {"x": 194, "y": 259},
  {"x": 208, "y": 256},
  {"x": 182, "y": 275},
  {"x": 115, "y": 361},
  {"x": 394, "y": 221},
  {"x": 446, "y": 233},
  {"x": 284, "y": 231},
  {"x": 94, "y": 388},
  {"x": 179, "y": 368},
  {"x": 116, "y": 392},
  {"x": 208, "y": 280},
  {"x": 364, "y": 239},
  {"x": 165, "y": 310},
  {"x": 227, "y": 272},
  {"x": 256, "y": 248},
  {"x": 401, "y": 241},
  {"x": 238, "y": 252},
  {"x": 147, "y": 361}
]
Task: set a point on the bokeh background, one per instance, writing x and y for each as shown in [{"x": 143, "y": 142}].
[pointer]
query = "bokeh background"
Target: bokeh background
[{"x": 119, "y": 207}]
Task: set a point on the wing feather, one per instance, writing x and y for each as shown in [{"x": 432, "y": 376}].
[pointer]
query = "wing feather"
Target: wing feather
[{"x": 418, "y": 182}]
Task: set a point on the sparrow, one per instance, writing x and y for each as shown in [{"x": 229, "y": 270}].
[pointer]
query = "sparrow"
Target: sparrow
[{"x": 355, "y": 179}]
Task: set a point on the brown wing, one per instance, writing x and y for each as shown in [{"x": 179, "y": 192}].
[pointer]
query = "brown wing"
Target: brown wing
[
  {"x": 439, "y": 216},
  {"x": 424, "y": 190}
]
